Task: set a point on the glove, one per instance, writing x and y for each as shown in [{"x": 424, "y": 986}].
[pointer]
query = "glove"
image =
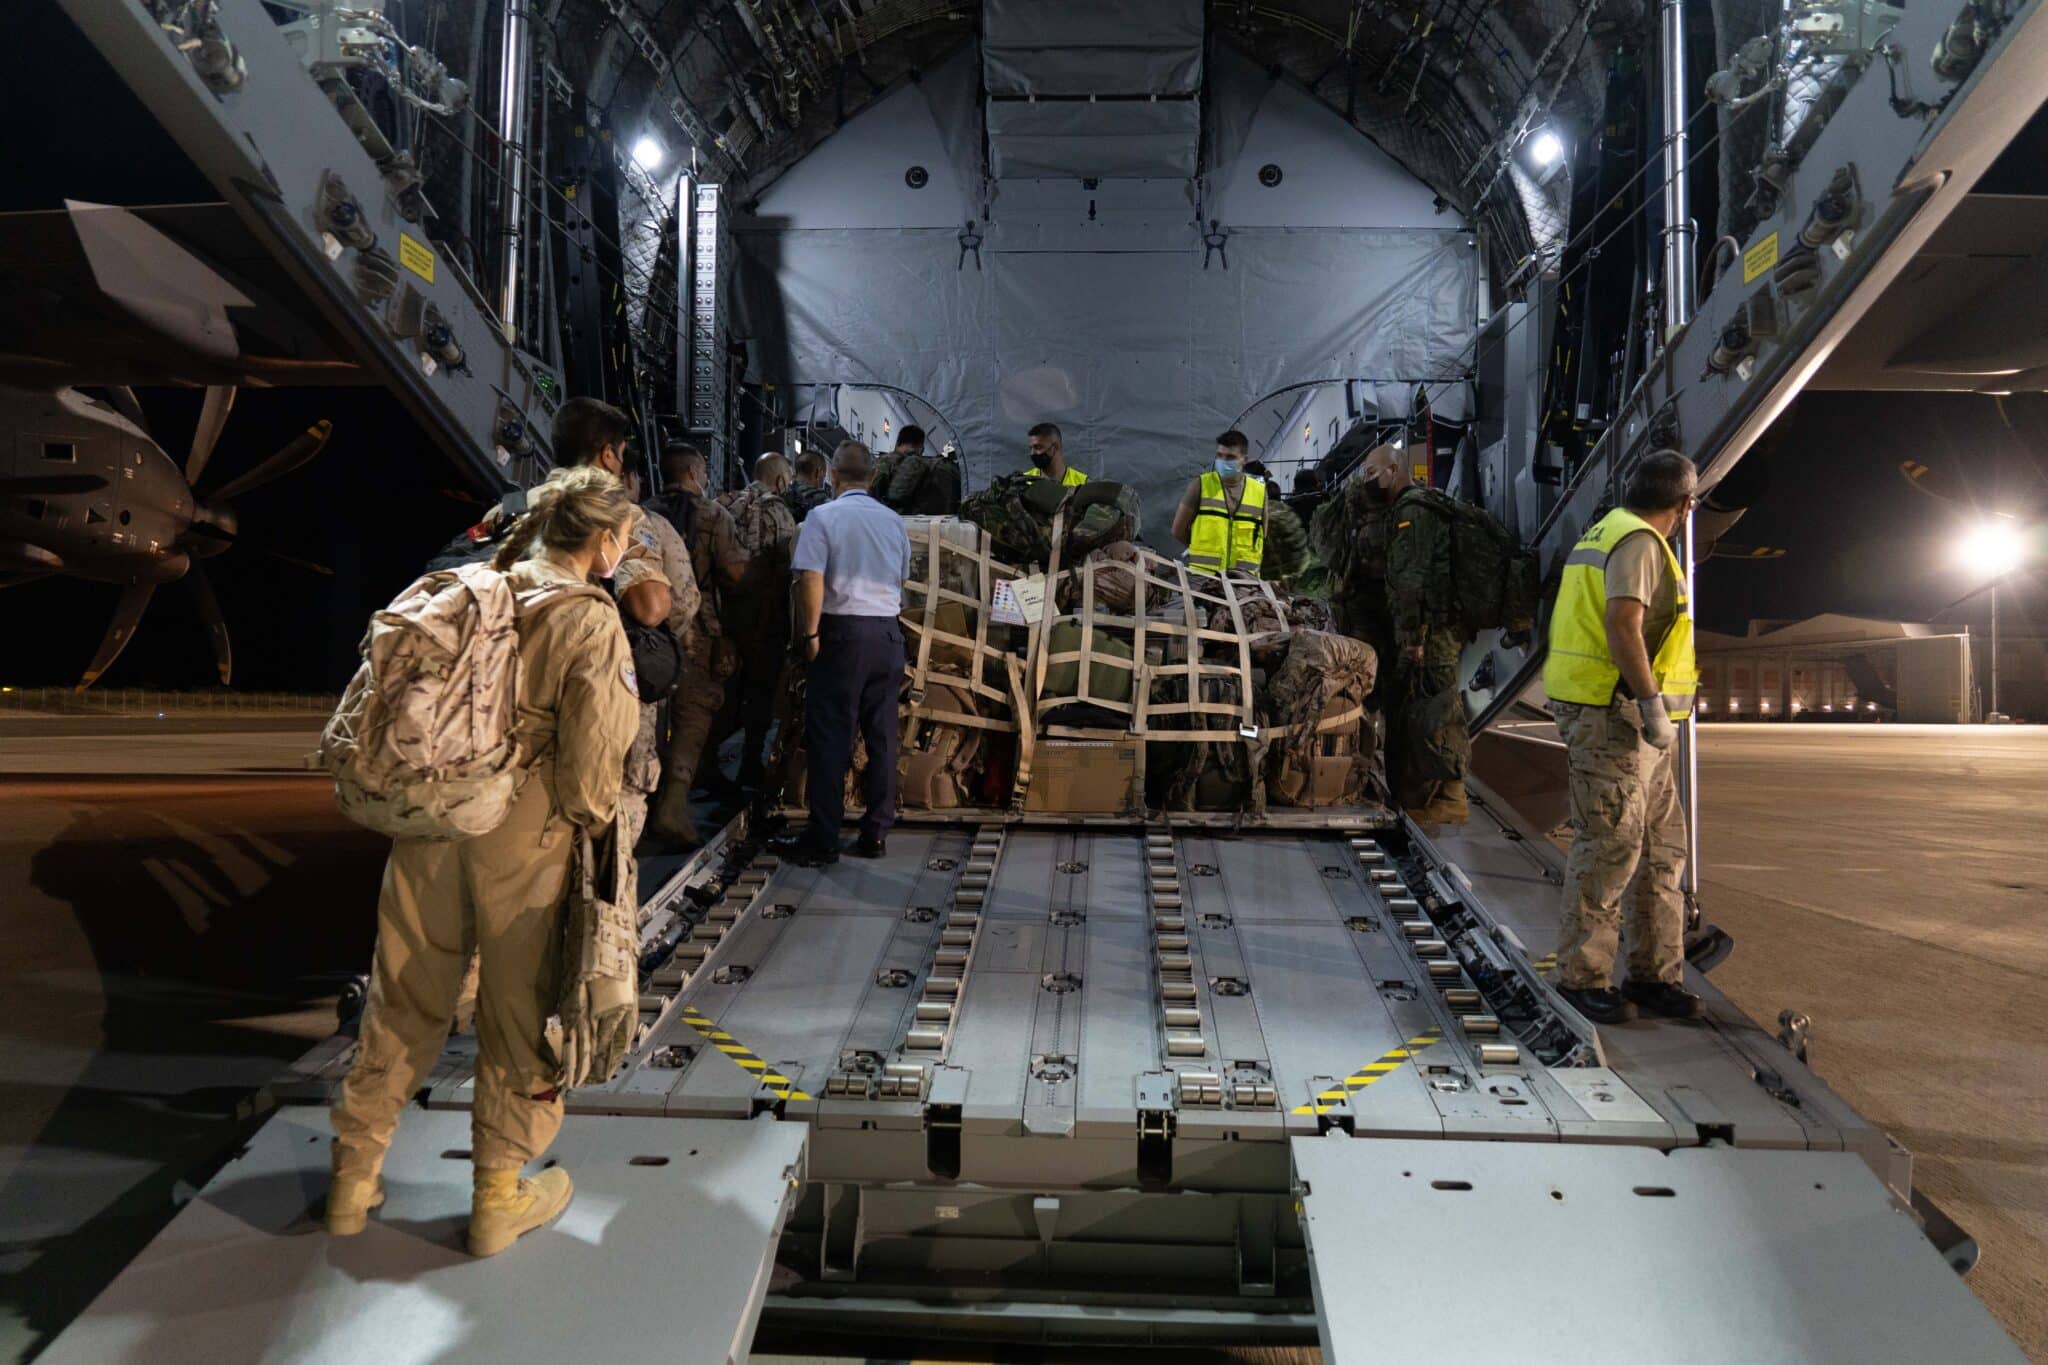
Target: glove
[{"x": 1658, "y": 731}]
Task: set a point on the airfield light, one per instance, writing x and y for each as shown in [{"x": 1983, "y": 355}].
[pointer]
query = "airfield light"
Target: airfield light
[
  {"x": 1993, "y": 547},
  {"x": 1545, "y": 147},
  {"x": 647, "y": 154}
]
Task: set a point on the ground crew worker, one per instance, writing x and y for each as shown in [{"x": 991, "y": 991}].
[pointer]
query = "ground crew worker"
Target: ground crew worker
[
  {"x": 1287, "y": 556},
  {"x": 852, "y": 559},
  {"x": 1049, "y": 457},
  {"x": 717, "y": 561},
  {"x": 756, "y": 615},
  {"x": 1222, "y": 515},
  {"x": 1619, "y": 672},
  {"x": 808, "y": 490},
  {"x": 1428, "y": 744},
  {"x": 577, "y": 706}
]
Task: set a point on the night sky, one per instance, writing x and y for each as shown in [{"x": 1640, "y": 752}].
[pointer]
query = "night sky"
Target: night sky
[{"x": 380, "y": 499}]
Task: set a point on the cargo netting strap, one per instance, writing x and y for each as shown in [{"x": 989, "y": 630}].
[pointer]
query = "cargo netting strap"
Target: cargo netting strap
[
  {"x": 1193, "y": 596},
  {"x": 969, "y": 562}
]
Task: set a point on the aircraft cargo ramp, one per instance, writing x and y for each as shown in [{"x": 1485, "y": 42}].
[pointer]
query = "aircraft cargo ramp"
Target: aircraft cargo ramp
[{"x": 1144, "y": 1085}]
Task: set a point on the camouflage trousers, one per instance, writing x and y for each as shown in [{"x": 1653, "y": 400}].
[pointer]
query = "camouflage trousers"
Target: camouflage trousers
[
  {"x": 1428, "y": 743},
  {"x": 691, "y": 710},
  {"x": 1627, "y": 827}
]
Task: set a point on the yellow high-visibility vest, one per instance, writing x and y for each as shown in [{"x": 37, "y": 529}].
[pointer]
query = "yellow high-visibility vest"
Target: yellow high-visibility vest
[
  {"x": 1073, "y": 478},
  {"x": 1221, "y": 539},
  {"x": 1580, "y": 667}
]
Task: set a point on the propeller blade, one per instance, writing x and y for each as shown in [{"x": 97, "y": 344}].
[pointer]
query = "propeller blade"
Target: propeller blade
[
  {"x": 209, "y": 616},
  {"x": 309, "y": 443},
  {"x": 308, "y": 565},
  {"x": 122, "y": 399},
  {"x": 211, "y": 532},
  {"x": 134, "y": 600},
  {"x": 220, "y": 399},
  {"x": 50, "y": 485}
]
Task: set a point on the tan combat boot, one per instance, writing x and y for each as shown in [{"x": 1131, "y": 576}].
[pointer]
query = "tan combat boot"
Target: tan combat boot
[
  {"x": 1447, "y": 806},
  {"x": 505, "y": 1208},
  {"x": 355, "y": 1190}
]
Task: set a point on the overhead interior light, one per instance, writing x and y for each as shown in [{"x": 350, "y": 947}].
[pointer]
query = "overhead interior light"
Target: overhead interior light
[
  {"x": 1545, "y": 147},
  {"x": 647, "y": 153}
]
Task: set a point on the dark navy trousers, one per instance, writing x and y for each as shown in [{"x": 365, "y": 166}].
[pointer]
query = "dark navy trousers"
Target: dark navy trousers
[{"x": 852, "y": 687}]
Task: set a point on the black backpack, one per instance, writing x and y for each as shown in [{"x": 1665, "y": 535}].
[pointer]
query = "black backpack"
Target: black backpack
[{"x": 657, "y": 655}]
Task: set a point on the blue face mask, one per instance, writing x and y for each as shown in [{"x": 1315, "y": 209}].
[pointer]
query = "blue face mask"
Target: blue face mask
[{"x": 1229, "y": 469}]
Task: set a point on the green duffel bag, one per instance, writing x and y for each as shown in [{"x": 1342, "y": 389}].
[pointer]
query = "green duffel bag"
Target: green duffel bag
[{"x": 1107, "y": 680}]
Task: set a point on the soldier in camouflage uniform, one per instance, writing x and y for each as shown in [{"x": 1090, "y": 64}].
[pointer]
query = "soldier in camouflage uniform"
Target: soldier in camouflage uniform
[
  {"x": 1428, "y": 746},
  {"x": 716, "y": 562},
  {"x": 671, "y": 559},
  {"x": 756, "y": 612},
  {"x": 808, "y": 488},
  {"x": 1288, "y": 559}
]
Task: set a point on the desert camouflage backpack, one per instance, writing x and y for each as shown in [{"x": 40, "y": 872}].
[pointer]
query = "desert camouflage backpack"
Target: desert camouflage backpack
[
  {"x": 762, "y": 521},
  {"x": 422, "y": 745}
]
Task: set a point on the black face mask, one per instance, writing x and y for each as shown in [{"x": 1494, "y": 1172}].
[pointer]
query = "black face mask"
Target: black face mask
[{"x": 1041, "y": 459}]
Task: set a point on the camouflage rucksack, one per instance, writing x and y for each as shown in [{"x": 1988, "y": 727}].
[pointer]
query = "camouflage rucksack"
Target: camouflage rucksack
[
  {"x": 1017, "y": 513},
  {"x": 762, "y": 521},
  {"x": 1098, "y": 513},
  {"x": 422, "y": 745},
  {"x": 1493, "y": 577},
  {"x": 919, "y": 485}
]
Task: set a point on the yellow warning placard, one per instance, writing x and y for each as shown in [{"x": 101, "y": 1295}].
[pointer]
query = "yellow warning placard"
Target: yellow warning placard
[
  {"x": 417, "y": 257},
  {"x": 1759, "y": 258}
]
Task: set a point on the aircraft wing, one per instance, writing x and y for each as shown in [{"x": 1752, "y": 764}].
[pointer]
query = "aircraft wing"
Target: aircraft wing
[{"x": 163, "y": 294}]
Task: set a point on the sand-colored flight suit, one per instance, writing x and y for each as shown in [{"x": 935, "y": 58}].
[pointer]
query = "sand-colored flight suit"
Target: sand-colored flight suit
[{"x": 504, "y": 891}]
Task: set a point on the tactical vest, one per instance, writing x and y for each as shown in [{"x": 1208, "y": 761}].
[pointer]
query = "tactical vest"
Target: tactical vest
[
  {"x": 1073, "y": 478},
  {"x": 1579, "y": 667},
  {"x": 1221, "y": 539}
]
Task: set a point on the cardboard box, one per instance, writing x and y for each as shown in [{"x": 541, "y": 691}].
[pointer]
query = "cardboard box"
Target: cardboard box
[{"x": 1084, "y": 776}]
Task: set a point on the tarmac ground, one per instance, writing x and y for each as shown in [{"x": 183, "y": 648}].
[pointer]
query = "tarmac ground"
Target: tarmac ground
[{"x": 183, "y": 903}]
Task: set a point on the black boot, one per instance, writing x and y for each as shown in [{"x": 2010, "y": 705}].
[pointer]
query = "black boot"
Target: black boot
[
  {"x": 1601, "y": 1004},
  {"x": 800, "y": 848},
  {"x": 1667, "y": 998}
]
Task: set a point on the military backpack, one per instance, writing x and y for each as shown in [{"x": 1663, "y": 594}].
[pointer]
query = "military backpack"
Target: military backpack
[
  {"x": 422, "y": 745},
  {"x": 1493, "y": 576}
]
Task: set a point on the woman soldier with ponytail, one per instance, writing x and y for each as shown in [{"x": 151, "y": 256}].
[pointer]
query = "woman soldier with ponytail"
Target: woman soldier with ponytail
[{"x": 504, "y": 890}]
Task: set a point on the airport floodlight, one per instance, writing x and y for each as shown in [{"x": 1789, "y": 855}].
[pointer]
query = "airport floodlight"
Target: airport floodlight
[
  {"x": 647, "y": 154},
  {"x": 1545, "y": 147},
  {"x": 1993, "y": 547}
]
